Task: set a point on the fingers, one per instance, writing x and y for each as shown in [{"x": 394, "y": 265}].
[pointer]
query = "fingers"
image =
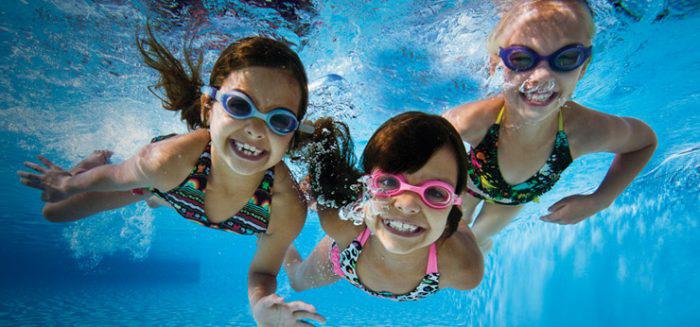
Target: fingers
[
  {"x": 273, "y": 299},
  {"x": 553, "y": 217},
  {"x": 308, "y": 315},
  {"x": 35, "y": 167},
  {"x": 32, "y": 183},
  {"x": 301, "y": 306},
  {"x": 47, "y": 162},
  {"x": 560, "y": 204},
  {"x": 29, "y": 176}
]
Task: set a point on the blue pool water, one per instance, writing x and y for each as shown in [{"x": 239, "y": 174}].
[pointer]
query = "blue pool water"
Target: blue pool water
[{"x": 72, "y": 81}]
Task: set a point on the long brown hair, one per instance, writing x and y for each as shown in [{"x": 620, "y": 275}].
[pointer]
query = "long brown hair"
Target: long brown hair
[
  {"x": 403, "y": 144},
  {"x": 181, "y": 85},
  {"x": 322, "y": 150}
]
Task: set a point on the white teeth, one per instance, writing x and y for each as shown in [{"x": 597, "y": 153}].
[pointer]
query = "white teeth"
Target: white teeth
[
  {"x": 401, "y": 226},
  {"x": 538, "y": 97},
  {"x": 247, "y": 148}
]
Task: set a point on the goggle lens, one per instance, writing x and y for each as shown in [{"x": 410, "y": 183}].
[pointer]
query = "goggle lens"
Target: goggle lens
[{"x": 238, "y": 107}]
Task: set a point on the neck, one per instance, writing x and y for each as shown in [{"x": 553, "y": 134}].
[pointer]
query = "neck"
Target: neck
[
  {"x": 516, "y": 126},
  {"x": 224, "y": 178}
]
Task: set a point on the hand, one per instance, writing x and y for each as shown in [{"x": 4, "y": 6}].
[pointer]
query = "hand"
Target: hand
[
  {"x": 573, "y": 209},
  {"x": 51, "y": 180},
  {"x": 272, "y": 311}
]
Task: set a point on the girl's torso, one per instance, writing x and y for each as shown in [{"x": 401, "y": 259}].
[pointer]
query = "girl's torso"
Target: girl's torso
[
  {"x": 250, "y": 203},
  {"x": 505, "y": 171},
  {"x": 413, "y": 282}
]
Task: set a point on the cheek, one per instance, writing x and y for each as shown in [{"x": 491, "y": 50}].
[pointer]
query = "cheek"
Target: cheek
[
  {"x": 279, "y": 144},
  {"x": 513, "y": 80},
  {"x": 438, "y": 220}
]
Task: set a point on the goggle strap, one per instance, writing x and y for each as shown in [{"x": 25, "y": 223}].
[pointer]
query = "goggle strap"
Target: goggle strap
[
  {"x": 209, "y": 91},
  {"x": 306, "y": 128}
]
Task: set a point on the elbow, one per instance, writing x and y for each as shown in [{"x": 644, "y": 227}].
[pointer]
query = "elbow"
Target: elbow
[
  {"x": 54, "y": 214},
  {"x": 477, "y": 277}
]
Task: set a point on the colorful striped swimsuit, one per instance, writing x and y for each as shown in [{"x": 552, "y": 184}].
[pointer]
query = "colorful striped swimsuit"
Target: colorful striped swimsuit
[
  {"x": 188, "y": 199},
  {"x": 486, "y": 182},
  {"x": 345, "y": 265}
]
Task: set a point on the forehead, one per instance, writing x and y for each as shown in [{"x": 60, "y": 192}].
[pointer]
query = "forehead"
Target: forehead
[
  {"x": 548, "y": 27},
  {"x": 268, "y": 87},
  {"x": 442, "y": 165}
]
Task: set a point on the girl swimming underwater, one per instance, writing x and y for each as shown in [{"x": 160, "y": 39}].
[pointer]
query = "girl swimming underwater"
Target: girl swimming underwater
[
  {"x": 243, "y": 122},
  {"x": 407, "y": 244},
  {"x": 524, "y": 138}
]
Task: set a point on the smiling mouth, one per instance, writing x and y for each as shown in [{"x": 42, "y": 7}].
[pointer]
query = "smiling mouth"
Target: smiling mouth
[
  {"x": 402, "y": 228},
  {"x": 539, "y": 99},
  {"x": 247, "y": 151}
]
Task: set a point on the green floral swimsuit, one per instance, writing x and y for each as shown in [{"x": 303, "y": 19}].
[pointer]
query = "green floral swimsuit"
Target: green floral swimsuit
[{"x": 486, "y": 182}]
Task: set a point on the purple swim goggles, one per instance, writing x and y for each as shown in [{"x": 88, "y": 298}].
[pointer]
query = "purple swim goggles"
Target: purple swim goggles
[{"x": 521, "y": 58}]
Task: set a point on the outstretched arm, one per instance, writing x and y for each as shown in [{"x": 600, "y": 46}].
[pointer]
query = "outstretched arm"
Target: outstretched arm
[
  {"x": 288, "y": 214},
  {"x": 633, "y": 143},
  {"x": 142, "y": 170}
]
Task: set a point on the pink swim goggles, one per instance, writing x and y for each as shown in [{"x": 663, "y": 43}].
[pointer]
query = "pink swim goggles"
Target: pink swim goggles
[{"x": 434, "y": 193}]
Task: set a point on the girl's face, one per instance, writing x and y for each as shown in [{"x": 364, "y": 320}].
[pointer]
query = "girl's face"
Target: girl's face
[
  {"x": 540, "y": 91},
  {"x": 404, "y": 223},
  {"x": 248, "y": 146}
]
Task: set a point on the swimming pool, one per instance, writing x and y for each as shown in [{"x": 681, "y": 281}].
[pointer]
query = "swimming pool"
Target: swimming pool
[{"x": 72, "y": 82}]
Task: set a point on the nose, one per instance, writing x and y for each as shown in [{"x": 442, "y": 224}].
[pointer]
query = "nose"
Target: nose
[
  {"x": 255, "y": 128},
  {"x": 408, "y": 203},
  {"x": 541, "y": 72}
]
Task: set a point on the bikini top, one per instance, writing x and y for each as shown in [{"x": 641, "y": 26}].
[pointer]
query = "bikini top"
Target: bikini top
[
  {"x": 345, "y": 265},
  {"x": 486, "y": 182},
  {"x": 188, "y": 199}
]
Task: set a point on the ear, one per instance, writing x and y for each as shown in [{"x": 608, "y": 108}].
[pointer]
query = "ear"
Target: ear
[
  {"x": 494, "y": 61},
  {"x": 205, "y": 109}
]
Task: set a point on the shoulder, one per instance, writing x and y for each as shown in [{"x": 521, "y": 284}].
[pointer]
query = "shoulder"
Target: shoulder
[
  {"x": 342, "y": 232},
  {"x": 591, "y": 131},
  {"x": 167, "y": 160},
  {"x": 460, "y": 261},
  {"x": 473, "y": 119}
]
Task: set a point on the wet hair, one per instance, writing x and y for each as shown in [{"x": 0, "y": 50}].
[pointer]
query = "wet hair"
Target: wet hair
[
  {"x": 320, "y": 149},
  {"x": 546, "y": 9},
  {"x": 182, "y": 86},
  {"x": 403, "y": 144}
]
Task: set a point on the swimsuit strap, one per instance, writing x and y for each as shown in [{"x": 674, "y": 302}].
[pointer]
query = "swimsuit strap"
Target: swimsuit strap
[
  {"x": 432, "y": 260},
  {"x": 561, "y": 120},
  {"x": 500, "y": 114},
  {"x": 363, "y": 237}
]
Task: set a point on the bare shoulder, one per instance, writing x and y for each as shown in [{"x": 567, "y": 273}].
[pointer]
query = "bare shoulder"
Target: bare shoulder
[
  {"x": 172, "y": 159},
  {"x": 473, "y": 119},
  {"x": 288, "y": 206},
  {"x": 590, "y": 131},
  {"x": 460, "y": 261},
  {"x": 341, "y": 231}
]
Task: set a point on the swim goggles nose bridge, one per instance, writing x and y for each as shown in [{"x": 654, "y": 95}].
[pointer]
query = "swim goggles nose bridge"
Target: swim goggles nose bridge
[
  {"x": 254, "y": 111},
  {"x": 453, "y": 199},
  {"x": 583, "y": 52}
]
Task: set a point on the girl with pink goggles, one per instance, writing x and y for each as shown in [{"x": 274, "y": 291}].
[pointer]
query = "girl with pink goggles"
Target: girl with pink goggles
[{"x": 434, "y": 193}]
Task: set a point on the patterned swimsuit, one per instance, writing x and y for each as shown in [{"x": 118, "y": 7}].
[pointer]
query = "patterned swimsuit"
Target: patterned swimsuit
[
  {"x": 188, "y": 199},
  {"x": 345, "y": 265},
  {"x": 486, "y": 182}
]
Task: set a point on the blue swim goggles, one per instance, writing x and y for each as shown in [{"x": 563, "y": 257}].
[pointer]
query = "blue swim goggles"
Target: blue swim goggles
[{"x": 237, "y": 104}]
